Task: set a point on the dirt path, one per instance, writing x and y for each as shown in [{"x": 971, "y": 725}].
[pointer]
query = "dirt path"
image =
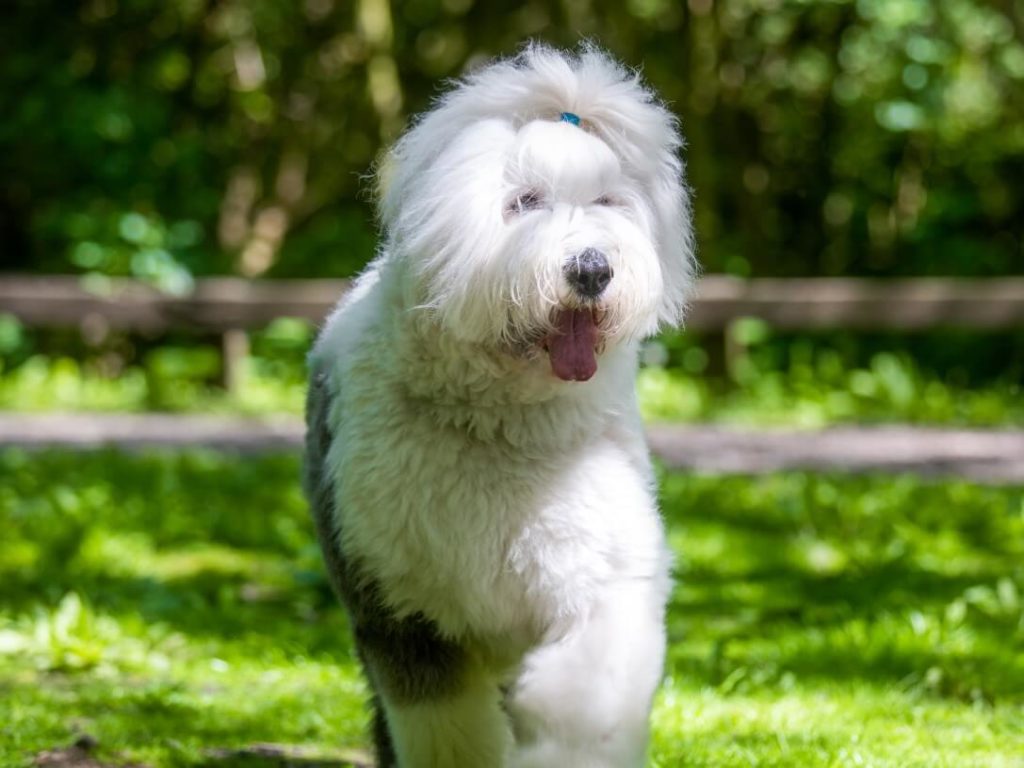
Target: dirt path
[
  {"x": 991, "y": 456},
  {"x": 80, "y": 755}
]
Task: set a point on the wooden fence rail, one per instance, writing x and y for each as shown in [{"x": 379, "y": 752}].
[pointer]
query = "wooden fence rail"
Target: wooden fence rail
[
  {"x": 217, "y": 304},
  {"x": 232, "y": 306},
  {"x": 224, "y": 303}
]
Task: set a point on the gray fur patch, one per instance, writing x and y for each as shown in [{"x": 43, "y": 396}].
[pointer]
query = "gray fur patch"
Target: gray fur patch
[{"x": 406, "y": 660}]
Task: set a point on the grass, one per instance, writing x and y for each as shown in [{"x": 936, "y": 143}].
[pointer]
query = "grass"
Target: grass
[
  {"x": 169, "y": 604},
  {"x": 64, "y": 383},
  {"x": 815, "y": 389},
  {"x": 823, "y": 390}
]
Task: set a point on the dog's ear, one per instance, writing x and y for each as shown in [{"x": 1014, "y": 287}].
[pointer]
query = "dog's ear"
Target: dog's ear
[
  {"x": 395, "y": 171},
  {"x": 671, "y": 201}
]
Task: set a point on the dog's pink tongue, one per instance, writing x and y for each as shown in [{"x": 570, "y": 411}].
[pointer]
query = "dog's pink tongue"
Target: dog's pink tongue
[{"x": 571, "y": 346}]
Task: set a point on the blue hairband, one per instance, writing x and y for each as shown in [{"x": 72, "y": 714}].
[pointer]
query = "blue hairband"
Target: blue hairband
[{"x": 569, "y": 117}]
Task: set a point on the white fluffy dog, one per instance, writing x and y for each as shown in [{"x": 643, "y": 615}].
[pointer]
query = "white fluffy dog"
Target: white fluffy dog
[{"x": 475, "y": 461}]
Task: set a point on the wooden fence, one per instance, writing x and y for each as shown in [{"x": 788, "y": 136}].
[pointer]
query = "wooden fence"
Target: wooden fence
[{"x": 233, "y": 306}]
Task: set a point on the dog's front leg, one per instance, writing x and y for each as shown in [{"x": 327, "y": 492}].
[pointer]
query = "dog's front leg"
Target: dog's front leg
[
  {"x": 464, "y": 728},
  {"x": 437, "y": 705},
  {"x": 584, "y": 701}
]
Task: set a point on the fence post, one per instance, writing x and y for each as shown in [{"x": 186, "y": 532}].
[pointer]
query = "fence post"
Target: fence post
[{"x": 234, "y": 352}]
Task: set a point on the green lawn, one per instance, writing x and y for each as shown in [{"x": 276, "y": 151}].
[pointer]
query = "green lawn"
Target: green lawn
[
  {"x": 170, "y": 604},
  {"x": 816, "y": 393}
]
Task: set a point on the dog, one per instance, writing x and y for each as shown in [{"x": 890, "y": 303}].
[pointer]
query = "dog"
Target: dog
[{"x": 475, "y": 459}]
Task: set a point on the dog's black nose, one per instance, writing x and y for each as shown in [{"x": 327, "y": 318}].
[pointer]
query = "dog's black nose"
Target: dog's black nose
[{"x": 589, "y": 273}]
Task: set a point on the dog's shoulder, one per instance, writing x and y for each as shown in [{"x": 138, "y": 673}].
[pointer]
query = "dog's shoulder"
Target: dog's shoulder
[{"x": 348, "y": 320}]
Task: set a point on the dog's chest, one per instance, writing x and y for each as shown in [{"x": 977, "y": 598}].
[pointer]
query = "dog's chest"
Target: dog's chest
[{"x": 483, "y": 539}]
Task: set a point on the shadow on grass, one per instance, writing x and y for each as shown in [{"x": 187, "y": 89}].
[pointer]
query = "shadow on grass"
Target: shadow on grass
[
  {"x": 300, "y": 620},
  {"x": 888, "y": 581},
  {"x": 280, "y": 756},
  {"x": 819, "y": 577}
]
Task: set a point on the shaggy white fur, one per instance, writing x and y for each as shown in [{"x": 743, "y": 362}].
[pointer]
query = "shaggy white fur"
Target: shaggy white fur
[{"x": 486, "y": 476}]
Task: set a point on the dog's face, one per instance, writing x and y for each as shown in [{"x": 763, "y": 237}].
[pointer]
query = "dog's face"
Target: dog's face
[{"x": 541, "y": 210}]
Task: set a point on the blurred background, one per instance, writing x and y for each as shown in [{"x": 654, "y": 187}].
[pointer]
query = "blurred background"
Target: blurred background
[
  {"x": 185, "y": 186},
  {"x": 169, "y": 141}
]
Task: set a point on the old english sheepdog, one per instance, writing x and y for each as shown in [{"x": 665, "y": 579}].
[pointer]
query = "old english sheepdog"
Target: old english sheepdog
[{"x": 476, "y": 463}]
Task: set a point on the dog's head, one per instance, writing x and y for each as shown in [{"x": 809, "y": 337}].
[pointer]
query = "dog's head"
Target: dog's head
[{"x": 540, "y": 207}]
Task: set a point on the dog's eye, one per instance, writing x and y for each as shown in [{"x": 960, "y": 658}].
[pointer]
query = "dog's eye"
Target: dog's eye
[
  {"x": 606, "y": 200},
  {"x": 530, "y": 200}
]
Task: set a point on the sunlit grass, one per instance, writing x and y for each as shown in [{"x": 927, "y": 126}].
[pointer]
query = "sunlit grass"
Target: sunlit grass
[
  {"x": 65, "y": 384},
  {"x": 170, "y": 604},
  {"x": 890, "y": 389}
]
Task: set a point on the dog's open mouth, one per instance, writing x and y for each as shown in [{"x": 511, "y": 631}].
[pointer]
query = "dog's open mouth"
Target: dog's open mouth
[{"x": 572, "y": 346}]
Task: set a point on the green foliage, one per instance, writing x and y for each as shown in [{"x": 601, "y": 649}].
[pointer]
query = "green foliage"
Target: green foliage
[
  {"x": 11, "y": 335},
  {"x": 760, "y": 376},
  {"x": 140, "y": 246},
  {"x": 165, "y": 139},
  {"x": 814, "y": 386},
  {"x": 806, "y": 380},
  {"x": 169, "y": 603},
  {"x": 123, "y": 374}
]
